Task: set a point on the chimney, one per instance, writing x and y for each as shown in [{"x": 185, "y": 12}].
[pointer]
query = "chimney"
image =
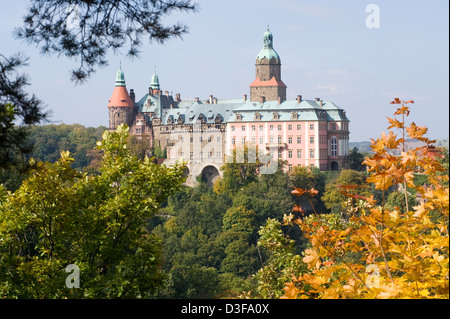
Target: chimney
[
  {"x": 299, "y": 98},
  {"x": 263, "y": 99},
  {"x": 215, "y": 100},
  {"x": 196, "y": 99},
  {"x": 210, "y": 99},
  {"x": 321, "y": 102},
  {"x": 177, "y": 97},
  {"x": 166, "y": 93},
  {"x": 245, "y": 97},
  {"x": 317, "y": 99},
  {"x": 132, "y": 96}
]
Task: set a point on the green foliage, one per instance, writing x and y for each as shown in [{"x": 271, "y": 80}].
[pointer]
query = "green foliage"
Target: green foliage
[
  {"x": 238, "y": 172},
  {"x": 282, "y": 264},
  {"x": 334, "y": 199},
  {"x": 356, "y": 158},
  {"x": 158, "y": 152},
  {"x": 60, "y": 217}
]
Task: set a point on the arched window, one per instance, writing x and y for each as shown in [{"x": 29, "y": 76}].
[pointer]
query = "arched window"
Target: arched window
[{"x": 334, "y": 146}]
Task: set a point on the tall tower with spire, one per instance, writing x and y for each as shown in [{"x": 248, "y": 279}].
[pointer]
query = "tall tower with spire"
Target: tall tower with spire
[
  {"x": 268, "y": 84},
  {"x": 120, "y": 105}
]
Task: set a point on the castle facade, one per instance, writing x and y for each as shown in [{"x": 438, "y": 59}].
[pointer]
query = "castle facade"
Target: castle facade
[{"x": 204, "y": 133}]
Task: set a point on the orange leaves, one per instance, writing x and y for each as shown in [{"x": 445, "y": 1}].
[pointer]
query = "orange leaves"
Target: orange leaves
[
  {"x": 394, "y": 123},
  {"x": 291, "y": 291},
  {"x": 312, "y": 258},
  {"x": 409, "y": 245},
  {"x": 300, "y": 191},
  {"x": 415, "y": 131},
  {"x": 404, "y": 109}
]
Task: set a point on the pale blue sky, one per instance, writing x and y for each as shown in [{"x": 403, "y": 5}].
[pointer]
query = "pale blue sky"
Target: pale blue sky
[{"x": 325, "y": 48}]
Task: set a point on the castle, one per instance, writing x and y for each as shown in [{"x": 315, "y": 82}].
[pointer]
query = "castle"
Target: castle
[{"x": 204, "y": 132}]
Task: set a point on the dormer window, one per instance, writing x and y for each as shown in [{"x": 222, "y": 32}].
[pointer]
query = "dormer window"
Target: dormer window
[
  {"x": 294, "y": 116},
  {"x": 257, "y": 116},
  {"x": 238, "y": 117},
  {"x": 276, "y": 116}
]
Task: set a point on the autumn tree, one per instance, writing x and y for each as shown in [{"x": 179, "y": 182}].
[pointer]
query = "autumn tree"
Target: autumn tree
[{"x": 380, "y": 251}]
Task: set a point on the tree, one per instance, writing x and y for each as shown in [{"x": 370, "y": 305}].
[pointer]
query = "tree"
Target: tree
[
  {"x": 380, "y": 252},
  {"x": 60, "y": 217},
  {"x": 87, "y": 30},
  {"x": 16, "y": 107},
  {"x": 238, "y": 171},
  {"x": 356, "y": 158},
  {"x": 334, "y": 199}
]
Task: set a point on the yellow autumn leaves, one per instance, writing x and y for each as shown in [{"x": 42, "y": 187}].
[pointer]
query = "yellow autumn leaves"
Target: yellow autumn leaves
[{"x": 376, "y": 252}]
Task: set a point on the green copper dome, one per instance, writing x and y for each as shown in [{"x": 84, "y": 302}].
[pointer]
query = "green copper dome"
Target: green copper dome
[
  {"x": 155, "y": 82},
  {"x": 120, "y": 77},
  {"x": 268, "y": 50}
]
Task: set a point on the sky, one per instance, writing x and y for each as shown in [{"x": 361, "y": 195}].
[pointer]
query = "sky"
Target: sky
[{"x": 326, "y": 48}]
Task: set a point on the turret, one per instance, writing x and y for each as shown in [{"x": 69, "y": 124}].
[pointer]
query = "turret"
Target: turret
[{"x": 120, "y": 105}]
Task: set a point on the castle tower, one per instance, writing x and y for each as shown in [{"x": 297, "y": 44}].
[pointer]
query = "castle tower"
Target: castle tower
[
  {"x": 268, "y": 84},
  {"x": 154, "y": 85},
  {"x": 120, "y": 105}
]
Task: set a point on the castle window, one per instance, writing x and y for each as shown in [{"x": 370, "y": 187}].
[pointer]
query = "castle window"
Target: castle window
[
  {"x": 280, "y": 154},
  {"x": 311, "y": 140},
  {"x": 238, "y": 117},
  {"x": 257, "y": 116},
  {"x": 261, "y": 140},
  {"x": 294, "y": 115},
  {"x": 279, "y": 127},
  {"x": 299, "y": 127},
  {"x": 311, "y": 126},
  {"x": 290, "y": 127},
  {"x": 311, "y": 153},
  {"x": 299, "y": 140},
  {"x": 334, "y": 146},
  {"x": 243, "y": 128},
  {"x": 275, "y": 116},
  {"x": 261, "y": 128},
  {"x": 299, "y": 153},
  {"x": 279, "y": 139},
  {"x": 253, "y": 128},
  {"x": 271, "y": 127},
  {"x": 290, "y": 154},
  {"x": 290, "y": 140},
  {"x": 232, "y": 128},
  {"x": 233, "y": 141}
]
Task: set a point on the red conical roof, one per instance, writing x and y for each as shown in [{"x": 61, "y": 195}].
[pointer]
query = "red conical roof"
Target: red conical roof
[{"x": 120, "y": 98}]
